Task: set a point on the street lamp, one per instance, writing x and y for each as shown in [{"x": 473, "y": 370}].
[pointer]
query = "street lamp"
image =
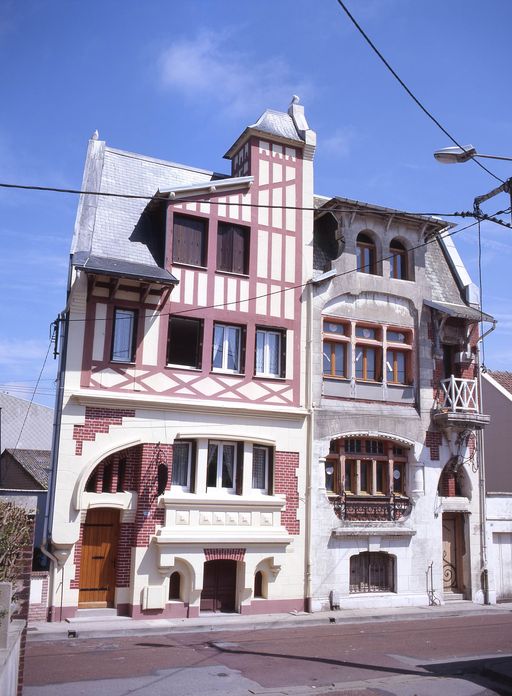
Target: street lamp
[{"x": 458, "y": 155}]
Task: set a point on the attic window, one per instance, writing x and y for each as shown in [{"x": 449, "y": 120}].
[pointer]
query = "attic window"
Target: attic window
[{"x": 398, "y": 261}]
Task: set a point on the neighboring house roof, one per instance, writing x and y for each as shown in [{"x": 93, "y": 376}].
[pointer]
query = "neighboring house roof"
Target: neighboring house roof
[
  {"x": 35, "y": 428},
  {"x": 36, "y": 463},
  {"x": 501, "y": 379}
]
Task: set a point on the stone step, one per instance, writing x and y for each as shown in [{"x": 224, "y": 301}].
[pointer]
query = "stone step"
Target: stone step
[
  {"x": 87, "y": 615},
  {"x": 453, "y": 597}
]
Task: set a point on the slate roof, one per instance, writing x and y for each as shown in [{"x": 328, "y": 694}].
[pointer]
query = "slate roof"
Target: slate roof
[
  {"x": 124, "y": 269},
  {"x": 503, "y": 378},
  {"x": 36, "y": 428},
  {"x": 277, "y": 123},
  {"x": 35, "y": 462},
  {"x": 110, "y": 227}
]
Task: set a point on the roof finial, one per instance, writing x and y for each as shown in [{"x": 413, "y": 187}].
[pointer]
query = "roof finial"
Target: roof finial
[
  {"x": 295, "y": 99},
  {"x": 95, "y": 135}
]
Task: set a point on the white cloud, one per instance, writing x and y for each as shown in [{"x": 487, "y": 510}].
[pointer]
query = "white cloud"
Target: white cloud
[
  {"x": 204, "y": 67},
  {"x": 339, "y": 143},
  {"x": 13, "y": 352}
]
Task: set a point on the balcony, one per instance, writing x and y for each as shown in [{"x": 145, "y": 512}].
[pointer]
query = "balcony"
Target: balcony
[
  {"x": 370, "y": 509},
  {"x": 457, "y": 405}
]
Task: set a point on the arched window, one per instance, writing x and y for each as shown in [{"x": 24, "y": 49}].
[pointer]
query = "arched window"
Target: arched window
[
  {"x": 372, "y": 571},
  {"x": 366, "y": 254},
  {"x": 258, "y": 584},
  {"x": 175, "y": 586},
  {"x": 398, "y": 261}
]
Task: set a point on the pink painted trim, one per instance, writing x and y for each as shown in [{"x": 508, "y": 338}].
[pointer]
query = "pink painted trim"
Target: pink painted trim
[{"x": 272, "y": 606}]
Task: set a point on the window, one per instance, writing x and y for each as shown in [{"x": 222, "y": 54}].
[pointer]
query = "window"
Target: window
[
  {"x": 227, "y": 348},
  {"x": 370, "y": 467},
  {"x": 185, "y": 342},
  {"x": 189, "y": 241},
  {"x": 366, "y": 254},
  {"x": 182, "y": 465},
  {"x": 124, "y": 335},
  {"x": 262, "y": 469},
  {"x": 398, "y": 260},
  {"x": 395, "y": 363},
  {"x": 368, "y": 344},
  {"x": 270, "y": 358},
  {"x": 221, "y": 467},
  {"x": 335, "y": 349},
  {"x": 372, "y": 571},
  {"x": 232, "y": 248},
  {"x": 175, "y": 586}
]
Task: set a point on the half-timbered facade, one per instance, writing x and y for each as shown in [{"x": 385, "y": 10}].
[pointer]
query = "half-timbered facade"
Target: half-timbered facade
[{"x": 179, "y": 482}]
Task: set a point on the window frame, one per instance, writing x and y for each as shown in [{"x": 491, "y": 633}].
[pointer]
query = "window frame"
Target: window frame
[
  {"x": 366, "y": 254},
  {"x": 281, "y": 352},
  {"x": 378, "y": 457},
  {"x": 227, "y": 246},
  {"x": 176, "y": 241},
  {"x": 268, "y": 473},
  {"x": 398, "y": 261},
  {"x": 333, "y": 339},
  {"x": 175, "y": 486},
  {"x": 132, "y": 348},
  {"x": 238, "y": 369},
  {"x": 199, "y": 342},
  {"x": 219, "y": 468}
]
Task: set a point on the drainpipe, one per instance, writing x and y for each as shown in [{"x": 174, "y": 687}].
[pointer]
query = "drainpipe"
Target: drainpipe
[
  {"x": 309, "y": 447},
  {"x": 481, "y": 484}
]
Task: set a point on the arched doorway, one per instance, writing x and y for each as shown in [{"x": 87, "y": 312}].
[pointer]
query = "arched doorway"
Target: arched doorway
[
  {"x": 97, "y": 582},
  {"x": 219, "y": 586}
]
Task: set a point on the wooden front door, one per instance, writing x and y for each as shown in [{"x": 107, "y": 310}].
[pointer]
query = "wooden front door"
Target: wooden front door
[
  {"x": 219, "y": 586},
  {"x": 98, "y": 560},
  {"x": 453, "y": 548}
]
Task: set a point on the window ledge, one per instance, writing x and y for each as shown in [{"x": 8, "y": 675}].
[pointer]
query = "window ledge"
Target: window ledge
[
  {"x": 122, "y": 362},
  {"x": 220, "y": 371},
  {"x": 274, "y": 378},
  {"x": 188, "y": 368},
  {"x": 232, "y": 273},
  {"x": 208, "y": 501},
  {"x": 181, "y": 264}
]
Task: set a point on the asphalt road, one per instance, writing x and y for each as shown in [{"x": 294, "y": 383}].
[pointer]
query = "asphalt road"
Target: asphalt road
[{"x": 444, "y": 656}]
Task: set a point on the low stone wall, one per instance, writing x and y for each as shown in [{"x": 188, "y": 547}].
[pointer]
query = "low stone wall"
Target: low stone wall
[{"x": 38, "y": 607}]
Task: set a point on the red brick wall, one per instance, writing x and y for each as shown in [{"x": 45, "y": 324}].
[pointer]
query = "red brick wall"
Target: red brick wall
[
  {"x": 74, "y": 584},
  {"x": 124, "y": 554},
  {"x": 98, "y": 420},
  {"x": 448, "y": 484},
  {"x": 433, "y": 440},
  {"x": 224, "y": 554},
  {"x": 285, "y": 481},
  {"x": 148, "y": 515}
]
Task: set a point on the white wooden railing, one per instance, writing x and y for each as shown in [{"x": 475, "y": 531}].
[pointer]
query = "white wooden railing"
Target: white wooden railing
[{"x": 459, "y": 394}]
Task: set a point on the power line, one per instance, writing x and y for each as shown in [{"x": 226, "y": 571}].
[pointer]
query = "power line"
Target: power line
[
  {"x": 34, "y": 392},
  {"x": 268, "y": 206},
  {"x": 409, "y": 92},
  {"x": 291, "y": 287}
]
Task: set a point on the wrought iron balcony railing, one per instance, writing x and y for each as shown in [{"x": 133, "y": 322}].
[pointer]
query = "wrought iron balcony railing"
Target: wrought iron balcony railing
[
  {"x": 459, "y": 395},
  {"x": 366, "y": 509}
]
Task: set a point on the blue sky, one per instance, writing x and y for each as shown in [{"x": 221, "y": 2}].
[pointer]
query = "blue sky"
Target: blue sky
[{"x": 180, "y": 80}]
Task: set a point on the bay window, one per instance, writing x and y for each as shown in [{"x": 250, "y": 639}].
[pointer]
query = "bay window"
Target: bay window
[{"x": 183, "y": 457}]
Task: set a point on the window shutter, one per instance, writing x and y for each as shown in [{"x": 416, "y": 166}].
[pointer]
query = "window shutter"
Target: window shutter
[
  {"x": 239, "y": 467},
  {"x": 193, "y": 458},
  {"x": 271, "y": 471},
  {"x": 238, "y": 249},
  {"x": 283, "y": 355}
]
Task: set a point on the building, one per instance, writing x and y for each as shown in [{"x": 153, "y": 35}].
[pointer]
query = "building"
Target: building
[
  {"x": 497, "y": 399},
  {"x": 182, "y": 424},
  {"x": 262, "y": 409},
  {"x": 25, "y": 441},
  {"x": 395, "y": 490}
]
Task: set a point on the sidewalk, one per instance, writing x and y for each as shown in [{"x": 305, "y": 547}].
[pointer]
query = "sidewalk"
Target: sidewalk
[{"x": 112, "y": 626}]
